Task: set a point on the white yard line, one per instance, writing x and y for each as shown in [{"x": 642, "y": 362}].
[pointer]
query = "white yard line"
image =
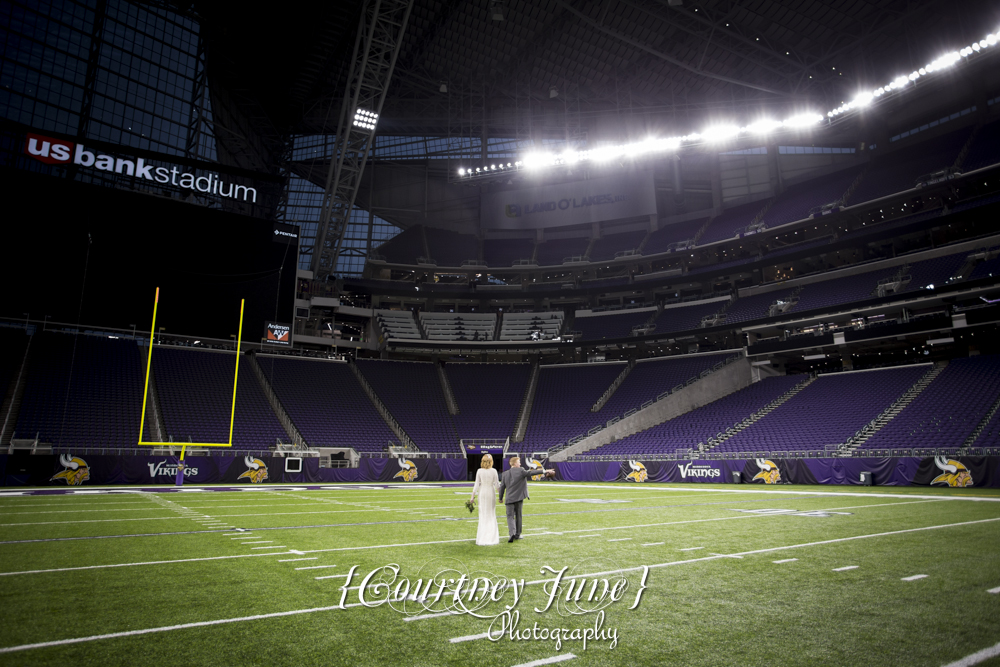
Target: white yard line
[
  {"x": 316, "y": 567},
  {"x": 995, "y": 591},
  {"x": 547, "y": 661},
  {"x": 845, "y": 568},
  {"x": 653, "y": 544},
  {"x": 425, "y": 616},
  {"x": 148, "y": 562},
  {"x": 620, "y": 539},
  {"x": 260, "y": 542},
  {"x": 295, "y": 560},
  {"x": 976, "y": 658},
  {"x": 334, "y": 576},
  {"x": 277, "y": 547},
  {"x": 468, "y": 638},
  {"x": 785, "y": 560},
  {"x": 691, "y": 549},
  {"x": 914, "y": 577}
]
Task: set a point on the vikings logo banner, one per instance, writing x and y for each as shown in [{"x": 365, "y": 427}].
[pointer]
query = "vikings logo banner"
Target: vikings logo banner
[
  {"x": 778, "y": 471},
  {"x": 956, "y": 472},
  {"x": 256, "y": 470},
  {"x": 535, "y": 464},
  {"x": 75, "y": 470},
  {"x": 408, "y": 470},
  {"x": 638, "y": 473}
]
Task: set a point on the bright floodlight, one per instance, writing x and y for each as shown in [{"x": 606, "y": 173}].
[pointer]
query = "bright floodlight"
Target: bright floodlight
[
  {"x": 803, "y": 120},
  {"x": 365, "y": 119},
  {"x": 763, "y": 126},
  {"x": 720, "y": 132},
  {"x": 461, "y": 171}
]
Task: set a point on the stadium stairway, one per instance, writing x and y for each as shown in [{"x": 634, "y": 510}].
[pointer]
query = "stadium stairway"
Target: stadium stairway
[
  {"x": 380, "y": 407},
  {"x": 275, "y": 402},
  {"x": 609, "y": 392},
  {"x": 721, "y": 437},
  {"x": 890, "y": 413},
  {"x": 524, "y": 414},
  {"x": 154, "y": 428},
  {"x": 449, "y": 395},
  {"x": 15, "y": 368}
]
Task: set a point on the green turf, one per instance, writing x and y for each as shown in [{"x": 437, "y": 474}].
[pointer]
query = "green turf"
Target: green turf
[{"x": 699, "y": 608}]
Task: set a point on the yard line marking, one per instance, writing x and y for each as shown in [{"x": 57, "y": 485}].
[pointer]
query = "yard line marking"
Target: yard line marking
[
  {"x": 245, "y": 537},
  {"x": 845, "y": 568},
  {"x": 260, "y": 542},
  {"x": 468, "y": 638},
  {"x": 914, "y": 577},
  {"x": 547, "y": 661},
  {"x": 148, "y": 562},
  {"x": 582, "y": 536},
  {"x": 422, "y": 617},
  {"x": 620, "y": 539},
  {"x": 977, "y": 657},
  {"x": 691, "y": 549},
  {"x": 333, "y": 576},
  {"x": 995, "y": 591},
  {"x": 728, "y": 556},
  {"x": 295, "y": 560},
  {"x": 278, "y": 547},
  {"x": 786, "y": 560},
  {"x": 315, "y": 567},
  {"x": 653, "y": 544}
]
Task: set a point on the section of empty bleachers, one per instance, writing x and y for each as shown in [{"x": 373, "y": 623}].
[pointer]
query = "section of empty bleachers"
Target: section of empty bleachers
[
  {"x": 899, "y": 171},
  {"x": 397, "y": 324},
  {"x": 411, "y": 390},
  {"x": 731, "y": 222},
  {"x": 986, "y": 269},
  {"x": 12, "y": 345},
  {"x": 838, "y": 291},
  {"x": 948, "y": 410},
  {"x": 605, "y": 247},
  {"x": 828, "y": 412},
  {"x": 405, "y": 247},
  {"x": 686, "y": 431},
  {"x": 458, "y": 326},
  {"x": 488, "y": 397},
  {"x": 451, "y": 248},
  {"x": 985, "y": 148},
  {"x": 326, "y": 403},
  {"x": 616, "y": 324},
  {"x": 668, "y": 235},
  {"x": 796, "y": 202},
  {"x": 756, "y": 306},
  {"x": 685, "y": 317},
  {"x": 554, "y": 251},
  {"x": 195, "y": 389},
  {"x": 82, "y": 391},
  {"x": 565, "y": 394},
  {"x": 652, "y": 377},
  {"x": 531, "y": 326},
  {"x": 504, "y": 252},
  {"x": 937, "y": 271}
]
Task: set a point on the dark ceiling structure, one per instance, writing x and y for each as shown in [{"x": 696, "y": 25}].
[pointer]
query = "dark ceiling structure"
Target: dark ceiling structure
[{"x": 529, "y": 68}]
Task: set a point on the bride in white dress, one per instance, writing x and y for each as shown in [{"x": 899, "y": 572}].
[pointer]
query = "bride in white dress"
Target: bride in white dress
[{"x": 487, "y": 483}]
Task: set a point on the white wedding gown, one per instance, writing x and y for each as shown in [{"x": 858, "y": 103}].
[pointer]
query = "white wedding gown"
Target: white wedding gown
[{"x": 487, "y": 483}]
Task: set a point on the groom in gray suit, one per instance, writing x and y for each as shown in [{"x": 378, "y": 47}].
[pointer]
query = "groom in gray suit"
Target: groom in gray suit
[{"x": 514, "y": 482}]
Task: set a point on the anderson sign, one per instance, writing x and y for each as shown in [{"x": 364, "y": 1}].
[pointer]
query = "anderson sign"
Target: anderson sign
[
  {"x": 61, "y": 152},
  {"x": 609, "y": 198}
]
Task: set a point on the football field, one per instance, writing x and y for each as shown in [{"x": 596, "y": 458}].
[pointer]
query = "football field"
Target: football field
[{"x": 605, "y": 574}]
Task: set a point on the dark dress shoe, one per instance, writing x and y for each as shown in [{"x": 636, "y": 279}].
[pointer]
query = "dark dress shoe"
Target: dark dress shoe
[{"x": 512, "y": 538}]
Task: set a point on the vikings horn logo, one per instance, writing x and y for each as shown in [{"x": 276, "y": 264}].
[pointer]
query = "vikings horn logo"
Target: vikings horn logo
[
  {"x": 638, "y": 473},
  {"x": 768, "y": 471},
  {"x": 535, "y": 465},
  {"x": 953, "y": 473},
  {"x": 409, "y": 470},
  {"x": 76, "y": 470},
  {"x": 257, "y": 470}
]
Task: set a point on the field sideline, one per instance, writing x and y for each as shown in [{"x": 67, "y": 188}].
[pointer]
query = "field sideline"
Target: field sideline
[{"x": 733, "y": 576}]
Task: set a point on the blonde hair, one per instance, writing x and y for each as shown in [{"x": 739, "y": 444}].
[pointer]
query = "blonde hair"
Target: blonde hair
[
  {"x": 487, "y": 461},
  {"x": 515, "y": 458}
]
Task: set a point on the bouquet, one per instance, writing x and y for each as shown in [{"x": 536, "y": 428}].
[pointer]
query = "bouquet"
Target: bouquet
[{"x": 470, "y": 505}]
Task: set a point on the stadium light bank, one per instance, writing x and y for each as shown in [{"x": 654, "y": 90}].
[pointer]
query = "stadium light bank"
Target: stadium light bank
[{"x": 718, "y": 133}]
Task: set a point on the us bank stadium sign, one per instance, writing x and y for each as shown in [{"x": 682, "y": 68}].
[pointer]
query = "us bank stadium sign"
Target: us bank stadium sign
[
  {"x": 557, "y": 205},
  {"x": 60, "y": 152}
]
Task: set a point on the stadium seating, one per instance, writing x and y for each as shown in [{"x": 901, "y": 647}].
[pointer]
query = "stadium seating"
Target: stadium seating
[
  {"x": 948, "y": 410},
  {"x": 615, "y": 324},
  {"x": 326, "y": 403},
  {"x": 937, "y": 271},
  {"x": 605, "y": 247},
  {"x": 411, "y": 390},
  {"x": 827, "y": 412},
  {"x": 652, "y": 377},
  {"x": 842, "y": 290},
  {"x": 488, "y": 396},
  {"x": 504, "y": 252},
  {"x": 985, "y": 269},
  {"x": 755, "y": 306},
  {"x": 667, "y": 235},
  {"x": 795, "y": 203},
  {"x": 458, "y": 326},
  {"x": 731, "y": 222},
  {"x": 521, "y": 326},
  {"x": 82, "y": 391},
  {"x": 397, "y": 324},
  {"x": 565, "y": 394},
  {"x": 12, "y": 345},
  {"x": 685, "y": 317},
  {"x": 686, "y": 431},
  {"x": 195, "y": 389},
  {"x": 450, "y": 248},
  {"x": 899, "y": 171},
  {"x": 554, "y": 251}
]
